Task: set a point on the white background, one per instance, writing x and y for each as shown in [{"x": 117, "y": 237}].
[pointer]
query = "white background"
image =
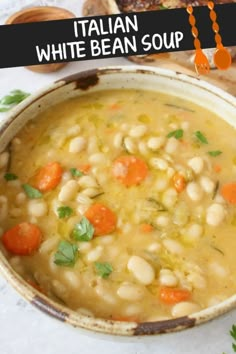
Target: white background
[{"x": 24, "y": 329}]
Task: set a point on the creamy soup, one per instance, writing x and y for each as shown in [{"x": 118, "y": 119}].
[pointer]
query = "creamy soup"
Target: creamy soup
[{"x": 121, "y": 205}]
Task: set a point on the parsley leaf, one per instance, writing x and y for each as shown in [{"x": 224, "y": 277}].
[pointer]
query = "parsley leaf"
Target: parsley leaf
[
  {"x": 64, "y": 212},
  {"x": 177, "y": 134},
  {"x": 214, "y": 153},
  {"x": 12, "y": 99},
  {"x": 233, "y": 332},
  {"x": 31, "y": 192},
  {"x": 66, "y": 255},
  {"x": 10, "y": 177},
  {"x": 76, "y": 173},
  {"x": 103, "y": 269},
  {"x": 201, "y": 137},
  {"x": 83, "y": 231}
]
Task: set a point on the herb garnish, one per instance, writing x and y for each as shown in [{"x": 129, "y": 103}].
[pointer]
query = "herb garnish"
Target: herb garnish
[
  {"x": 177, "y": 134},
  {"x": 83, "y": 231},
  {"x": 31, "y": 192},
  {"x": 66, "y": 255},
  {"x": 12, "y": 99},
  {"x": 103, "y": 269},
  {"x": 76, "y": 173},
  {"x": 64, "y": 212},
  {"x": 201, "y": 137},
  {"x": 214, "y": 153},
  {"x": 10, "y": 177},
  {"x": 233, "y": 335}
]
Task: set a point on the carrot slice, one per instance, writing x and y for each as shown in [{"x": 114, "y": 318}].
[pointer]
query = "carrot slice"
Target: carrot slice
[
  {"x": 102, "y": 218},
  {"x": 228, "y": 192},
  {"x": 48, "y": 177},
  {"x": 179, "y": 182},
  {"x": 84, "y": 168},
  {"x": 217, "y": 168},
  {"x": 146, "y": 228},
  {"x": 172, "y": 296},
  {"x": 22, "y": 239},
  {"x": 130, "y": 170}
]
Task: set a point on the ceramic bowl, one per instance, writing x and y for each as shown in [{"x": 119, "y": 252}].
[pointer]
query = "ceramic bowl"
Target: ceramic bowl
[
  {"x": 40, "y": 14},
  {"x": 136, "y": 77}
]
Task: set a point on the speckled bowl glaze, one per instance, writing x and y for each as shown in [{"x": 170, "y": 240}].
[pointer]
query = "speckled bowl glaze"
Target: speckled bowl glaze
[{"x": 169, "y": 82}]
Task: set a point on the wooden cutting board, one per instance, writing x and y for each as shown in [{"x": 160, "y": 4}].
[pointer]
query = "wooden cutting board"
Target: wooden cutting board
[{"x": 179, "y": 61}]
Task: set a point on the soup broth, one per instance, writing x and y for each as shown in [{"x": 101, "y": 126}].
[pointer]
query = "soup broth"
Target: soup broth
[{"x": 121, "y": 205}]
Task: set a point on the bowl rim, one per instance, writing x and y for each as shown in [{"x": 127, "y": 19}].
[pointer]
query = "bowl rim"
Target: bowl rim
[{"x": 90, "y": 78}]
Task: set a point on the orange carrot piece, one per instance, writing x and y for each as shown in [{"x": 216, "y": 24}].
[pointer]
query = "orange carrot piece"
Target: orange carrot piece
[
  {"x": 179, "y": 182},
  {"x": 22, "y": 239},
  {"x": 35, "y": 285},
  {"x": 217, "y": 168},
  {"x": 228, "y": 192},
  {"x": 84, "y": 168},
  {"x": 146, "y": 228},
  {"x": 48, "y": 177},
  {"x": 130, "y": 170},
  {"x": 172, "y": 296},
  {"x": 102, "y": 218}
]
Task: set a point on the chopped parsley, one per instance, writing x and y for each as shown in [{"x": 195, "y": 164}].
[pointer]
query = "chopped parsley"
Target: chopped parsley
[
  {"x": 83, "y": 231},
  {"x": 201, "y": 137},
  {"x": 66, "y": 255},
  {"x": 76, "y": 173},
  {"x": 10, "y": 177},
  {"x": 64, "y": 212},
  {"x": 31, "y": 192},
  {"x": 103, "y": 269},
  {"x": 12, "y": 99},
  {"x": 214, "y": 153},
  {"x": 177, "y": 134}
]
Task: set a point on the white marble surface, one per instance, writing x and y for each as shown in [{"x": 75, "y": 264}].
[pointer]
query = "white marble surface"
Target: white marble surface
[{"x": 24, "y": 329}]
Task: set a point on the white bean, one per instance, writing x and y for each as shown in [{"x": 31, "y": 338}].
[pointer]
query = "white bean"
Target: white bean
[
  {"x": 94, "y": 254},
  {"x": 130, "y": 145},
  {"x": 130, "y": 292},
  {"x": 143, "y": 149},
  {"x": 49, "y": 245},
  {"x": 173, "y": 246},
  {"x": 4, "y": 158},
  {"x": 141, "y": 270},
  {"x": 20, "y": 198},
  {"x": 98, "y": 158},
  {"x": 159, "y": 164},
  {"x": 83, "y": 199},
  {"x": 77, "y": 144},
  {"x": 196, "y": 164},
  {"x": 162, "y": 220},
  {"x": 169, "y": 197},
  {"x": 167, "y": 278},
  {"x": 194, "y": 232},
  {"x": 118, "y": 140},
  {"x": 74, "y": 130},
  {"x": 71, "y": 279},
  {"x": 194, "y": 191},
  {"x": 218, "y": 270},
  {"x": 84, "y": 246},
  {"x": 68, "y": 191},
  {"x": 215, "y": 214},
  {"x": 87, "y": 182},
  {"x": 184, "y": 308},
  {"x": 37, "y": 208},
  {"x": 171, "y": 145},
  {"x": 207, "y": 184},
  {"x": 66, "y": 176},
  {"x": 161, "y": 184},
  {"x": 197, "y": 280},
  {"x": 155, "y": 143},
  {"x": 106, "y": 240},
  {"x": 91, "y": 192},
  {"x": 154, "y": 247},
  {"x": 138, "y": 131}
]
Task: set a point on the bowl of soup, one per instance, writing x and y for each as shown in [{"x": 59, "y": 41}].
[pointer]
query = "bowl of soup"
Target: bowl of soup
[{"x": 118, "y": 200}]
